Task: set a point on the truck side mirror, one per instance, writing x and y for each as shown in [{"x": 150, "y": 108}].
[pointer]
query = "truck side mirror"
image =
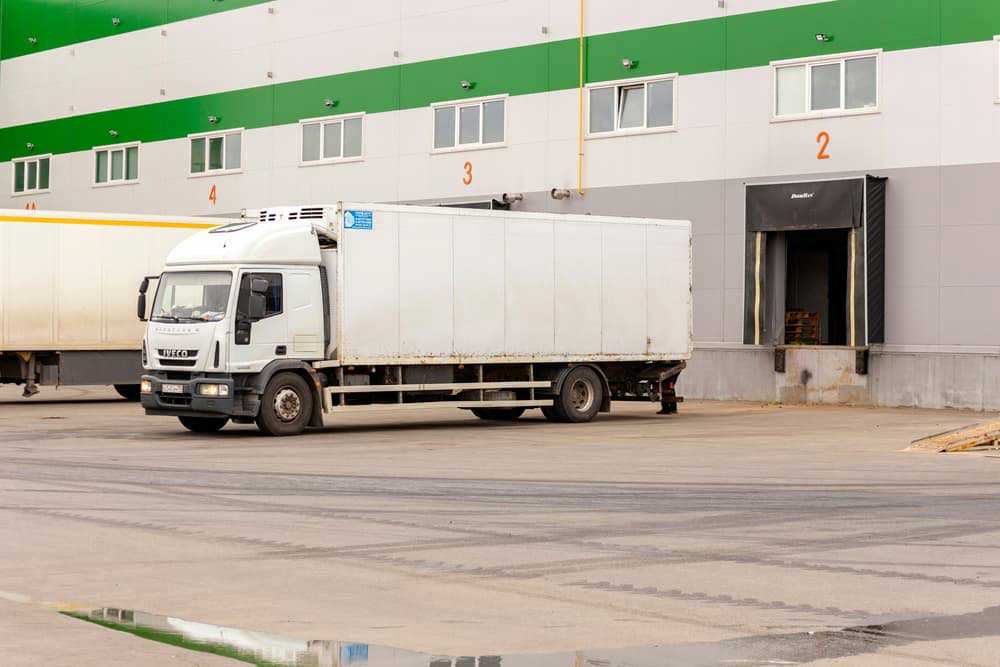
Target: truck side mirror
[
  {"x": 140, "y": 307},
  {"x": 258, "y": 286},
  {"x": 258, "y": 305}
]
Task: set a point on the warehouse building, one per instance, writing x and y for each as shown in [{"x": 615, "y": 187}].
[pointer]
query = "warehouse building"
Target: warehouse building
[{"x": 839, "y": 159}]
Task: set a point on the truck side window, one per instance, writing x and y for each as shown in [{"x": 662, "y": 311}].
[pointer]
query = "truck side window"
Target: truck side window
[{"x": 274, "y": 298}]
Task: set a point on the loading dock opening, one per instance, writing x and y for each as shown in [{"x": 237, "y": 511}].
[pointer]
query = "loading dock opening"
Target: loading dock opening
[{"x": 815, "y": 263}]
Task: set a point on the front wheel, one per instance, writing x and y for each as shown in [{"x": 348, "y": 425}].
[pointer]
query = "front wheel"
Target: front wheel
[
  {"x": 204, "y": 424},
  {"x": 581, "y": 396},
  {"x": 286, "y": 405},
  {"x": 498, "y": 414}
]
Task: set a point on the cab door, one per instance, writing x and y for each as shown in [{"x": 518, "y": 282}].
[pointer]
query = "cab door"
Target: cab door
[{"x": 261, "y": 325}]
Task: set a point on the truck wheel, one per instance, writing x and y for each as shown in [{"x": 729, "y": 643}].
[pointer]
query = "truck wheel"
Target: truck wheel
[
  {"x": 286, "y": 405},
  {"x": 130, "y": 392},
  {"x": 498, "y": 414},
  {"x": 581, "y": 396},
  {"x": 204, "y": 424},
  {"x": 549, "y": 412}
]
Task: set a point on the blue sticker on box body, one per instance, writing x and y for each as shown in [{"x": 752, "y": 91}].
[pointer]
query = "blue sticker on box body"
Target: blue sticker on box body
[{"x": 357, "y": 219}]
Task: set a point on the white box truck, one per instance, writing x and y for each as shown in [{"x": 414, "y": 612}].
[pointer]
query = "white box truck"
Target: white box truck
[
  {"x": 299, "y": 312},
  {"x": 67, "y": 294}
]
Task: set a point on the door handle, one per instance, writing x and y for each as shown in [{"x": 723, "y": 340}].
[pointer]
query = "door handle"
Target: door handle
[{"x": 281, "y": 349}]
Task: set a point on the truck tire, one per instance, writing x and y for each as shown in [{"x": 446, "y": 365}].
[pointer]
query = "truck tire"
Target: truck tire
[
  {"x": 204, "y": 424},
  {"x": 581, "y": 396},
  {"x": 286, "y": 405},
  {"x": 130, "y": 392},
  {"x": 549, "y": 412},
  {"x": 498, "y": 414}
]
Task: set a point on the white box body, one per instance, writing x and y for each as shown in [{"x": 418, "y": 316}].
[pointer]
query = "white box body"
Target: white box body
[
  {"x": 69, "y": 280},
  {"x": 446, "y": 285}
]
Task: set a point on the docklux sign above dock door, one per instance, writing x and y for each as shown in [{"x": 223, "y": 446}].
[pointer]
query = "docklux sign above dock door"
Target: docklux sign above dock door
[{"x": 819, "y": 246}]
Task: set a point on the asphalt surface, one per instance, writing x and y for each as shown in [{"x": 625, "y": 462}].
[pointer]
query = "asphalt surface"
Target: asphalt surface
[{"x": 729, "y": 532}]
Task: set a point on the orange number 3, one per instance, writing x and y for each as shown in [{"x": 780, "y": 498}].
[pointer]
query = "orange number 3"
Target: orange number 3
[
  {"x": 468, "y": 174},
  {"x": 823, "y": 138}
]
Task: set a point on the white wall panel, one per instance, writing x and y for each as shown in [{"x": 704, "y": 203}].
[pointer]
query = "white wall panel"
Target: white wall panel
[
  {"x": 579, "y": 277},
  {"x": 480, "y": 258},
  {"x": 529, "y": 294},
  {"x": 426, "y": 278},
  {"x": 299, "y": 18}
]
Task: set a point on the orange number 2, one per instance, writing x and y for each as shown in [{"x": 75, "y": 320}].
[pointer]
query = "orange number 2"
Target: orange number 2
[
  {"x": 468, "y": 174},
  {"x": 823, "y": 138},
  {"x": 211, "y": 195}
]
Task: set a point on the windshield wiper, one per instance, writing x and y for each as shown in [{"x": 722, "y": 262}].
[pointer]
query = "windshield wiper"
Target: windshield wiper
[{"x": 164, "y": 318}]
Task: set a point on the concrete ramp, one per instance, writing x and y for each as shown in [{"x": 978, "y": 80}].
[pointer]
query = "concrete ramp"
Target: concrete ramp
[{"x": 984, "y": 434}]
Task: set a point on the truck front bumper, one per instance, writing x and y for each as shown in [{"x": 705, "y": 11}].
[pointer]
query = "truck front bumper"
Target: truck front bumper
[{"x": 180, "y": 398}]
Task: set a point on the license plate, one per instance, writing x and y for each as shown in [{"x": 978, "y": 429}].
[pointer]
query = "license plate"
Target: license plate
[{"x": 172, "y": 389}]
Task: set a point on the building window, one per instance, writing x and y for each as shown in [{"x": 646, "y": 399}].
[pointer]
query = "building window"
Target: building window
[
  {"x": 827, "y": 86},
  {"x": 114, "y": 165},
  {"x": 478, "y": 123},
  {"x": 216, "y": 152},
  {"x": 332, "y": 139},
  {"x": 31, "y": 175},
  {"x": 634, "y": 105}
]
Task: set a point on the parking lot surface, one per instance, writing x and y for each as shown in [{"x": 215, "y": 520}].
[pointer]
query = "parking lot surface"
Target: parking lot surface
[{"x": 733, "y": 527}]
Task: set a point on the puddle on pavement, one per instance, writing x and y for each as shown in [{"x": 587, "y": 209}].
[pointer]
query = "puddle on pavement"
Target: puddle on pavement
[{"x": 271, "y": 650}]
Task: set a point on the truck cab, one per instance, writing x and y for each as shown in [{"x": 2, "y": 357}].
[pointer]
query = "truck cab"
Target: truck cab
[{"x": 234, "y": 306}]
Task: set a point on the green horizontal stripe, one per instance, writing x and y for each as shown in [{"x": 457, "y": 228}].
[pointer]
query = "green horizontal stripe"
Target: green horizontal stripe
[
  {"x": 745, "y": 40},
  {"x": 56, "y": 23}
]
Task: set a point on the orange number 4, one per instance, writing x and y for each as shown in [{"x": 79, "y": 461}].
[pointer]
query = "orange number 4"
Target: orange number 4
[
  {"x": 211, "y": 195},
  {"x": 824, "y": 139},
  {"x": 468, "y": 174}
]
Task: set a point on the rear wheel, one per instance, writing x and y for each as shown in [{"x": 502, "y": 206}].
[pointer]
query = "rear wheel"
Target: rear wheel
[
  {"x": 498, "y": 414},
  {"x": 550, "y": 413},
  {"x": 581, "y": 396},
  {"x": 204, "y": 424},
  {"x": 286, "y": 405},
  {"x": 130, "y": 392}
]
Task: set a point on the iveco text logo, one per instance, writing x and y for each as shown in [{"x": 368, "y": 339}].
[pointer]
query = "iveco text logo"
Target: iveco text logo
[
  {"x": 175, "y": 354},
  {"x": 803, "y": 195}
]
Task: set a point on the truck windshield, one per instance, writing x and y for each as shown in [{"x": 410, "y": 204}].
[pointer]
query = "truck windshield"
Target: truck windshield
[{"x": 200, "y": 296}]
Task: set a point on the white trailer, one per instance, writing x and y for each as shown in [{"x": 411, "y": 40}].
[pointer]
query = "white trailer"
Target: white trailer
[
  {"x": 299, "y": 312},
  {"x": 67, "y": 294}
]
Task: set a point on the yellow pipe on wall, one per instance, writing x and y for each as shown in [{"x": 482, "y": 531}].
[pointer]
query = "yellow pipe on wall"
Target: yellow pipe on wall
[{"x": 579, "y": 159}]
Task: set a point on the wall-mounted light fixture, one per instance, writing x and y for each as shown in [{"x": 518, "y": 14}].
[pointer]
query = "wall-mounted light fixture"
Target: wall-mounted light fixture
[
  {"x": 559, "y": 193},
  {"x": 466, "y": 85},
  {"x": 823, "y": 37},
  {"x": 116, "y": 21},
  {"x": 30, "y": 146},
  {"x": 113, "y": 133},
  {"x": 213, "y": 119},
  {"x": 329, "y": 103},
  {"x": 628, "y": 63},
  {"x": 32, "y": 40}
]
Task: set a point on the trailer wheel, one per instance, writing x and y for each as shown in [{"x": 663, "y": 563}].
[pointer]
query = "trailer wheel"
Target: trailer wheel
[
  {"x": 286, "y": 405},
  {"x": 581, "y": 396},
  {"x": 130, "y": 392},
  {"x": 498, "y": 414},
  {"x": 204, "y": 424}
]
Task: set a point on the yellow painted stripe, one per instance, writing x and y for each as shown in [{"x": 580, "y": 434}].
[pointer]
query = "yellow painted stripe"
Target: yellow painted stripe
[{"x": 107, "y": 223}]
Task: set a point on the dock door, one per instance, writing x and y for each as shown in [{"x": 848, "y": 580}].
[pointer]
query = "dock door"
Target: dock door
[{"x": 815, "y": 263}]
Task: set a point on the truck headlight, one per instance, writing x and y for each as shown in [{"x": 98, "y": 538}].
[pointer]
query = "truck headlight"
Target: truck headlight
[
  {"x": 146, "y": 387},
  {"x": 213, "y": 390}
]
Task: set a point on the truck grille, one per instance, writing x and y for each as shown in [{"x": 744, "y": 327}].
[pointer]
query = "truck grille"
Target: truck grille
[
  {"x": 181, "y": 401},
  {"x": 178, "y": 362}
]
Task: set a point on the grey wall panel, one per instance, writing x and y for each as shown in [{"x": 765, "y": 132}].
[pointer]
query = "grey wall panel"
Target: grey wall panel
[
  {"x": 912, "y": 315},
  {"x": 969, "y": 194},
  {"x": 707, "y": 305},
  {"x": 970, "y": 315},
  {"x": 708, "y": 258},
  {"x": 912, "y": 255},
  {"x": 970, "y": 255}
]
